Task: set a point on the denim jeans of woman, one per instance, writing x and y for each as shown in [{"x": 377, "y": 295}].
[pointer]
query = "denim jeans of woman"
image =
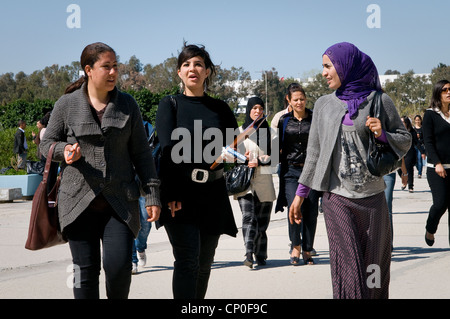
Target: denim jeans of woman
[
  {"x": 140, "y": 243},
  {"x": 420, "y": 162},
  {"x": 304, "y": 233},
  {"x": 194, "y": 251},
  {"x": 100, "y": 224},
  {"x": 389, "y": 193}
]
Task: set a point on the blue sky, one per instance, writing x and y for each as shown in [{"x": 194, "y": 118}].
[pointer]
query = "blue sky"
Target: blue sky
[{"x": 289, "y": 35}]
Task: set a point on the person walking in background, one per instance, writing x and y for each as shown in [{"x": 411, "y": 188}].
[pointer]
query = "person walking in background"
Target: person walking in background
[
  {"x": 389, "y": 179},
  {"x": 196, "y": 208},
  {"x": 20, "y": 145},
  {"x": 294, "y": 130},
  {"x": 256, "y": 202},
  {"x": 354, "y": 205},
  {"x": 436, "y": 136},
  {"x": 53, "y": 172},
  {"x": 411, "y": 155},
  {"x": 139, "y": 257},
  {"x": 421, "y": 156},
  {"x": 101, "y": 142},
  {"x": 37, "y": 137}
]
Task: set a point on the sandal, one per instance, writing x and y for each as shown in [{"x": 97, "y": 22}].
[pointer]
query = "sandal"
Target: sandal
[
  {"x": 295, "y": 261},
  {"x": 307, "y": 259}
]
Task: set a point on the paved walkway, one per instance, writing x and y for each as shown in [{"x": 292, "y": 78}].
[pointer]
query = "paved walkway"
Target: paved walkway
[{"x": 417, "y": 271}]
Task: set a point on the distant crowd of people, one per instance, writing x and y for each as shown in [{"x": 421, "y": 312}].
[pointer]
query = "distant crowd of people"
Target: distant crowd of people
[{"x": 111, "y": 190}]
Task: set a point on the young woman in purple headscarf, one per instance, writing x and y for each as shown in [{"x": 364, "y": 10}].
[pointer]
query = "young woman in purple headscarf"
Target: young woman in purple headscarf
[{"x": 354, "y": 205}]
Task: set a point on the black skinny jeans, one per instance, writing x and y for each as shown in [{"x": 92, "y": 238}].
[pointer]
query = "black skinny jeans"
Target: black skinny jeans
[
  {"x": 99, "y": 223},
  {"x": 194, "y": 252},
  {"x": 304, "y": 233},
  {"x": 440, "y": 191}
]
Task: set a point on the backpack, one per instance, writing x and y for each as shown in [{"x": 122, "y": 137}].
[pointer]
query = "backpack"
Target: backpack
[{"x": 153, "y": 140}]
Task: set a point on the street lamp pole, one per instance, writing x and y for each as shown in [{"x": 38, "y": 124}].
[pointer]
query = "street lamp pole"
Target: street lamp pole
[{"x": 265, "y": 79}]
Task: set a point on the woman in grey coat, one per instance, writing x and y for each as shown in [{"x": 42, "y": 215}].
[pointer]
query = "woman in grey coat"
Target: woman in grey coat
[
  {"x": 101, "y": 142},
  {"x": 354, "y": 205}
]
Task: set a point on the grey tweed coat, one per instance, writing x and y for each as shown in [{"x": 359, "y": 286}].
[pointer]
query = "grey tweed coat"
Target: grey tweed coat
[
  {"x": 112, "y": 155},
  {"x": 329, "y": 111}
]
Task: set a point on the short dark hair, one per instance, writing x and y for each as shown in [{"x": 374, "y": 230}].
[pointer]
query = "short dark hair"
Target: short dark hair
[
  {"x": 192, "y": 50},
  {"x": 293, "y": 87}
]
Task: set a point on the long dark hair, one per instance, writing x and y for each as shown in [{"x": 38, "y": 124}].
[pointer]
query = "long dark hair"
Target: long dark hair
[
  {"x": 436, "y": 103},
  {"x": 190, "y": 51},
  {"x": 407, "y": 122},
  {"x": 293, "y": 87},
  {"x": 89, "y": 56}
]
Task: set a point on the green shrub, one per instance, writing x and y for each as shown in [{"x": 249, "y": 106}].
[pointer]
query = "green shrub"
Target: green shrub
[{"x": 7, "y": 145}]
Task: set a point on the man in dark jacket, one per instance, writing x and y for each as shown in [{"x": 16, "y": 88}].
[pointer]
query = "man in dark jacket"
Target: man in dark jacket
[{"x": 20, "y": 145}]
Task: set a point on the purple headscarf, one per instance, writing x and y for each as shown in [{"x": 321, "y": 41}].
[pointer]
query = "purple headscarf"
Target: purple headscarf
[{"x": 357, "y": 72}]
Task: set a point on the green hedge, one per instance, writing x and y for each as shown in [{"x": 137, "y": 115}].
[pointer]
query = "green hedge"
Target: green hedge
[{"x": 7, "y": 145}]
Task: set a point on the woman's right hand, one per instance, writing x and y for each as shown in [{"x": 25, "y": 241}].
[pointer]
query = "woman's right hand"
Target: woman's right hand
[
  {"x": 295, "y": 213},
  {"x": 174, "y": 206},
  {"x": 440, "y": 170},
  {"x": 72, "y": 153}
]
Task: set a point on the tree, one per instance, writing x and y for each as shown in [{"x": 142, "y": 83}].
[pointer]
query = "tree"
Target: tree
[
  {"x": 409, "y": 92},
  {"x": 315, "y": 88},
  {"x": 391, "y": 72},
  {"x": 162, "y": 76},
  {"x": 275, "y": 91},
  {"x": 131, "y": 77},
  {"x": 441, "y": 72},
  {"x": 231, "y": 85}
]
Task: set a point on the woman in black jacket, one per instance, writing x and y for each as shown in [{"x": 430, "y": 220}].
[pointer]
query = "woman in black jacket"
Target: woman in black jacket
[
  {"x": 411, "y": 155},
  {"x": 436, "y": 135},
  {"x": 196, "y": 208},
  {"x": 294, "y": 132}
]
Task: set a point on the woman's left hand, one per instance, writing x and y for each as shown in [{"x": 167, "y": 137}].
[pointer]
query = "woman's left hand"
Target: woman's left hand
[
  {"x": 374, "y": 125},
  {"x": 153, "y": 213}
]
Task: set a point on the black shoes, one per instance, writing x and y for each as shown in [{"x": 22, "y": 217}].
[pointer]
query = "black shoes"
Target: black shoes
[
  {"x": 429, "y": 242},
  {"x": 248, "y": 260}
]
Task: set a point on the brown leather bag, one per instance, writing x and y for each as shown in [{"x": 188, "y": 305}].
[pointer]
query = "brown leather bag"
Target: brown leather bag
[{"x": 44, "y": 230}]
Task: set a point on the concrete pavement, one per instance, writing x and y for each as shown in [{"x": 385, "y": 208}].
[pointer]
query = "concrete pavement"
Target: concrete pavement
[{"x": 417, "y": 271}]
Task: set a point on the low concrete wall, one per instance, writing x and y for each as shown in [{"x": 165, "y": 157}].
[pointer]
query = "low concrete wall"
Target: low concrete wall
[{"x": 27, "y": 183}]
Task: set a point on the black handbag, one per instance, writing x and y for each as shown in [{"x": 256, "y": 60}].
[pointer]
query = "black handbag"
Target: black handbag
[
  {"x": 238, "y": 179},
  {"x": 381, "y": 158}
]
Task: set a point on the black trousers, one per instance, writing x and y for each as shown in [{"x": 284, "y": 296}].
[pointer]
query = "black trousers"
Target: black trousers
[
  {"x": 194, "y": 252},
  {"x": 100, "y": 224},
  {"x": 440, "y": 191},
  {"x": 304, "y": 233}
]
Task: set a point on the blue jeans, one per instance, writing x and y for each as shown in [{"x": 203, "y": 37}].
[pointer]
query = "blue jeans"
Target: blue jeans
[
  {"x": 420, "y": 161},
  {"x": 388, "y": 192},
  {"x": 140, "y": 243}
]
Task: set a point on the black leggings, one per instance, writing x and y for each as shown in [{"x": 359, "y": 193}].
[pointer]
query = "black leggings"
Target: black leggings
[
  {"x": 99, "y": 223},
  {"x": 440, "y": 191}
]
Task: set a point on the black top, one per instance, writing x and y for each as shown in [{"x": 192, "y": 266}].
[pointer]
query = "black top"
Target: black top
[
  {"x": 436, "y": 136},
  {"x": 294, "y": 138},
  {"x": 205, "y": 125}
]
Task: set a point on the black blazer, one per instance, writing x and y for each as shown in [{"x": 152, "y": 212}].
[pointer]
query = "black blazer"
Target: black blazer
[{"x": 19, "y": 142}]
